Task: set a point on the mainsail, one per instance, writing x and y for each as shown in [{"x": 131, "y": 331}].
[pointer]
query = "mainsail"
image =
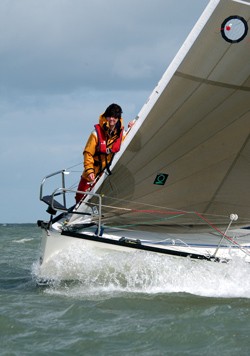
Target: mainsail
[{"x": 189, "y": 149}]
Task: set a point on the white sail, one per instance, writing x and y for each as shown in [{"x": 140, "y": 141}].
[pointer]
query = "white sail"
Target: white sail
[{"x": 194, "y": 130}]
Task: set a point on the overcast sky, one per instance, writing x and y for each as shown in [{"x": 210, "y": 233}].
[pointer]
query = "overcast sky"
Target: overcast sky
[{"x": 62, "y": 62}]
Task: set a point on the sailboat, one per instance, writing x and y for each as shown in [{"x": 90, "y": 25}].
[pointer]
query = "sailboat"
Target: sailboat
[{"x": 180, "y": 184}]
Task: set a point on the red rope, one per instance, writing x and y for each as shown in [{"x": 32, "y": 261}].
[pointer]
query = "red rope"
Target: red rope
[
  {"x": 218, "y": 230},
  {"x": 158, "y": 212}
]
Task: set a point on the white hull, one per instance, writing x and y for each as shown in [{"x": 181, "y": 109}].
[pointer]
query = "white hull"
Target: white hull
[{"x": 56, "y": 245}]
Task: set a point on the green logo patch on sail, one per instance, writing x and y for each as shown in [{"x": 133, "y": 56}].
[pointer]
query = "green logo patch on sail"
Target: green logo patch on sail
[{"x": 160, "y": 179}]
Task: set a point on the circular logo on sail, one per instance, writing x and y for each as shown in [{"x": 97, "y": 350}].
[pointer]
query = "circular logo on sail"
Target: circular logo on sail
[{"x": 234, "y": 29}]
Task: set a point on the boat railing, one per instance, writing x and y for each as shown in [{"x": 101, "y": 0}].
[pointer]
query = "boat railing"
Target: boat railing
[
  {"x": 54, "y": 204},
  {"x": 46, "y": 198}
]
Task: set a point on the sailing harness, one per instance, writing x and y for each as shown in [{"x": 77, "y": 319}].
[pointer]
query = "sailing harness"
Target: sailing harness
[{"x": 103, "y": 147}]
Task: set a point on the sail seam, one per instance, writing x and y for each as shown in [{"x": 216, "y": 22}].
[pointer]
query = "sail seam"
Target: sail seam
[
  {"x": 228, "y": 172},
  {"x": 211, "y": 82}
]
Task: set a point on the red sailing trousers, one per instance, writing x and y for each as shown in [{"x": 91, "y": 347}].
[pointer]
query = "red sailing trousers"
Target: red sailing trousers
[{"x": 83, "y": 186}]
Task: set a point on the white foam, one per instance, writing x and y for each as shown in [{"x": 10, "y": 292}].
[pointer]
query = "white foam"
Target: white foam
[
  {"x": 22, "y": 241},
  {"x": 143, "y": 272}
]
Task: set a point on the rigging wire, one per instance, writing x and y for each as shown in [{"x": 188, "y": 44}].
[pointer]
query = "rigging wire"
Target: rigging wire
[{"x": 224, "y": 235}]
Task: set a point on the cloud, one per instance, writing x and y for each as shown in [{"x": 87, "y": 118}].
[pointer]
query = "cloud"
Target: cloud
[
  {"x": 65, "y": 45},
  {"x": 62, "y": 62}
]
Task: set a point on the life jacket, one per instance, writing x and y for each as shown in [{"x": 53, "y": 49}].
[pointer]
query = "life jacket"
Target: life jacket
[{"x": 102, "y": 143}]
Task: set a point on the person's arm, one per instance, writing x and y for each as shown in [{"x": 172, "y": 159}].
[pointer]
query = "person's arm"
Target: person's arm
[
  {"x": 130, "y": 124},
  {"x": 89, "y": 153}
]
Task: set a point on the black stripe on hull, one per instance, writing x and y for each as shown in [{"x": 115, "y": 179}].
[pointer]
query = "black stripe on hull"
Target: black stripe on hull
[{"x": 138, "y": 246}]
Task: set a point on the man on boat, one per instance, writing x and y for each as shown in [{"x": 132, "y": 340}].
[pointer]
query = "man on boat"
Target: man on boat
[{"x": 101, "y": 147}]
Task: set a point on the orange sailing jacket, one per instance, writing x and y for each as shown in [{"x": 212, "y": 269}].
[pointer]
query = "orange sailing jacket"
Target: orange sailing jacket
[{"x": 96, "y": 156}]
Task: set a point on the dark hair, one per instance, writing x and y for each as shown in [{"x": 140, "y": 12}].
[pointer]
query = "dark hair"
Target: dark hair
[{"x": 113, "y": 110}]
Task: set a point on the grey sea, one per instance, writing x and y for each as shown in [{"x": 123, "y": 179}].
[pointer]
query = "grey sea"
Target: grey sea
[{"x": 148, "y": 305}]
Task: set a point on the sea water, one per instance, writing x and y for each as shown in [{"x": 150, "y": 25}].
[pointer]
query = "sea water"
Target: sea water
[{"x": 119, "y": 304}]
